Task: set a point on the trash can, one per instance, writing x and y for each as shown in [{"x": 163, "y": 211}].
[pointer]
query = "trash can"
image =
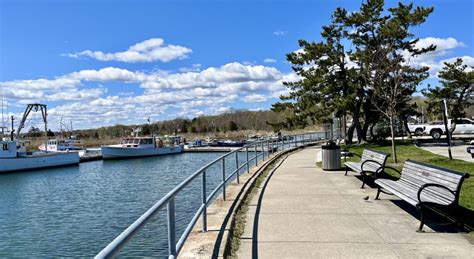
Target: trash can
[{"x": 331, "y": 156}]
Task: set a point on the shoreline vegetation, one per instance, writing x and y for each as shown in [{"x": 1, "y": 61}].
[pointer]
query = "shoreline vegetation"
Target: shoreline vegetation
[{"x": 233, "y": 125}]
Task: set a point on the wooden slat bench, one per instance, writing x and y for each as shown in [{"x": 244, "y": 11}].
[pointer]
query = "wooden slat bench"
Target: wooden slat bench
[
  {"x": 426, "y": 187},
  {"x": 371, "y": 163}
]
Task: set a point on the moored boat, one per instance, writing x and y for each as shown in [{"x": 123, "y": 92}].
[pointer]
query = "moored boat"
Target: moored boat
[
  {"x": 14, "y": 155},
  {"x": 62, "y": 145},
  {"x": 132, "y": 147}
]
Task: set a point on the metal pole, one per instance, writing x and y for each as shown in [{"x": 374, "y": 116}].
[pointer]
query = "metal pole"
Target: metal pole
[
  {"x": 263, "y": 152},
  {"x": 204, "y": 199},
  {"x": 237, "y": 165},
  {"x": 171, "y": 229},
  {"x": 247, "y": 155},
  {"x": 448, "y": 133},
  {"x": 256, "y": 158},
  {"x": 223, "y": 178}
]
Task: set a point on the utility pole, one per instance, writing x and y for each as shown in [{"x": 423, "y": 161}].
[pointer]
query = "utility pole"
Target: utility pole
[{"x": 444, "y": 107}]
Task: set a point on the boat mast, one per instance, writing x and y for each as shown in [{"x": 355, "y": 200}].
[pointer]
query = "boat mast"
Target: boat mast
[{"x": 3, "y": 119}]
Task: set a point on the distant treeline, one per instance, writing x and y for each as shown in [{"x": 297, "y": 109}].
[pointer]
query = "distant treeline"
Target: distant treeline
[{"x": 230, "y": 121}]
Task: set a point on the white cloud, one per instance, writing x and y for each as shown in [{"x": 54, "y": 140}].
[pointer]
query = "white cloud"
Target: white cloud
[
  {"x": 255, "y": 98},
  {"x": 152, "y": 93},
  {"x": 269, "y": 60},
  {"x": 193, "y": 68},
  {"x": 146, "y": 51},
  {"x": 435, "y": 59},
  {"x": 280, "y": 33}
]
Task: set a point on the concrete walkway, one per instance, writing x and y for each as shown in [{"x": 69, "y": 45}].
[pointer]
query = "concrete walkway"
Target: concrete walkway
[
  {"x": 303, "y": 212},
  {"x": 458, "y": 152}
]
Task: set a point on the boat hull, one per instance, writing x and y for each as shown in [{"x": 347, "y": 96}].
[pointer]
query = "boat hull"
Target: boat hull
[
  {"x": 33, "y": 162},
  {"x": 114, "y": 152}
]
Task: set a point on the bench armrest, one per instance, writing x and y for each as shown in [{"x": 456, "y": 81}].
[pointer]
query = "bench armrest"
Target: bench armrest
[
  {"x": 370, "y": 161},
  {"x": 434, "y": 185}
]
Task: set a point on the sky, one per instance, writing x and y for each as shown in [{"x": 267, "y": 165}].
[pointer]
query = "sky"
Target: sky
[{"x": 99, "y": 63}]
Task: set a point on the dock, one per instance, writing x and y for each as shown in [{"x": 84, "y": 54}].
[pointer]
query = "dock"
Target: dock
[
  {"x": 90, "y": 157},
  {"x": 224, "y": 149},
  {"x": 210, "y": 149}
]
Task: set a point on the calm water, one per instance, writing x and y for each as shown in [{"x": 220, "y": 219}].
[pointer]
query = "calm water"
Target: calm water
[{"x": 76, "y": 211}]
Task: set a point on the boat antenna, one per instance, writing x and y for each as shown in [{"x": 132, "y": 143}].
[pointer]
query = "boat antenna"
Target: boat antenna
[{"x": 13, "y": 129}]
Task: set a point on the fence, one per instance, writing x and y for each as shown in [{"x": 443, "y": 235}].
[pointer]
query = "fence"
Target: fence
[{"x": 252, "y": 152}]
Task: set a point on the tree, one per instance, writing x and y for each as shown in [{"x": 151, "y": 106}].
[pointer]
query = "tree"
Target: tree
[
  {"x": 233, "y": 126},
  {"x": 457, "y": 87},
  {"x": 327, "y": 82},
  {"x": 383, "y": 44}
]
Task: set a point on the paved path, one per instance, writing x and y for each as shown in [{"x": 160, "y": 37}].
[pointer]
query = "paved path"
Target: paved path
[
  {"x": 303, "y": 212},
  {"x": 458, "y": 152}
]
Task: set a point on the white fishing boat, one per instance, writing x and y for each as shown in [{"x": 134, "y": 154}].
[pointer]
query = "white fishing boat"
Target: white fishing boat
[
  {"x": 62, "y": 145},
  {"x": 134, "y": 146},
  {"x": 14, "y": 155}
]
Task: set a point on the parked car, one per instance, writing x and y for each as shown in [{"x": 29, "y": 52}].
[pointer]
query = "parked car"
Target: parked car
[
  {"x": 470, "y": 150},
  {"x": 437, "y": 129}
]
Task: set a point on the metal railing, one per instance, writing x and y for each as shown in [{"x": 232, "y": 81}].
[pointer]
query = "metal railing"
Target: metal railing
[{"x": 263, "y": 148}]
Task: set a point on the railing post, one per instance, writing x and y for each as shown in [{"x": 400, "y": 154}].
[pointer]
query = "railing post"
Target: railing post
[
  {"x": 296, "y": 140},
  {"x": 269, "y": 151},
  {"x": 171, "y": 229},
  {"x": 237, "y": 165},
  {"x": 247, "y": 155},
  {"x": 223, "y": 178},
  {"x": 263, "y": 151},
  {"x": 204, "y": 201},
  {"x": 256, "y": 157}
]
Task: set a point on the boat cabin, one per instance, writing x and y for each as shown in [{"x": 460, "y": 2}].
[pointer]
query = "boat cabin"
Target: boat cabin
[
  {"x": 137, "y": 141},
  {"x": 10, "y": 149}
]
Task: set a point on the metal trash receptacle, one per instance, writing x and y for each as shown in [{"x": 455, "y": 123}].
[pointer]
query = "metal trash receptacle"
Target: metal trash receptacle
[{"x": 331, "y": 156}]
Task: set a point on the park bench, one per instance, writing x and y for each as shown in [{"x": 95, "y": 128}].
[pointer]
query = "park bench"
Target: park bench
[
  {"x": 426, "y": 187},
  {"x": 371, "y": 163}
]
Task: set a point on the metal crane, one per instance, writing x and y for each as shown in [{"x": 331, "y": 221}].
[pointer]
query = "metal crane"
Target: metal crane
[{"x": 34, "y": 107}]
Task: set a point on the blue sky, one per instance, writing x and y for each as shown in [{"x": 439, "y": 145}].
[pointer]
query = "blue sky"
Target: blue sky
[{"x": 107, "y": 62}]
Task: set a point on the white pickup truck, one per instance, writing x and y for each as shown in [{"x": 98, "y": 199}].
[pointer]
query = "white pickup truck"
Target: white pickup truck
[{"x": 436, "y": 129}]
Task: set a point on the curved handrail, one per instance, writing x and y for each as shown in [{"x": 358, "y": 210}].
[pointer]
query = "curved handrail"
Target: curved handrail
[{"x": 168, "y": 200}]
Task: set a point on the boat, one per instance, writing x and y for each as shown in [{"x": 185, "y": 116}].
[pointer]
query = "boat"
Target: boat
[
  {"x": 227, "y": 143},
  {"x": 134, "y": 146},
  {"x": 14, "y": 155},
  {"x": 62, "y": 145}
]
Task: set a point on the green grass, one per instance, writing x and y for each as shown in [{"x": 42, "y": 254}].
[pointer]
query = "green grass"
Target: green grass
[{"x": 406, "y": 150}]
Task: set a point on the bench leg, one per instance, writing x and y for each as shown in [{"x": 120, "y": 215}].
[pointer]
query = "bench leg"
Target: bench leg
[
  {"x": 363, "y": 179},
  {"x": 378, "y": 193},
  {"x": 346, "y": 171},
  {"x": 422, "y": 219}
]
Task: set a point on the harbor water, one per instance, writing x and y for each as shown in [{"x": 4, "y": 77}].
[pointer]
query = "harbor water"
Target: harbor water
[{"x": 76, "y": 211}]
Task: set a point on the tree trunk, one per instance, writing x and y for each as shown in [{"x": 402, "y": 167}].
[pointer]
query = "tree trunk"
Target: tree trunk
[
  {"x": 359, "y": 131},
  {"x": 350, "y": 134},
  {"x": 356, "y": 122},
  {"x": 392, "y": 130},
  {"x": 405, "y": 124},
  {"x": 371, "y": 130},
  {"x": 365, "y": 129}
]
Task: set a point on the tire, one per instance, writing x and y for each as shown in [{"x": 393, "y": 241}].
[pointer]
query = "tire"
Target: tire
[
  {"x": 436, "y": 133},
  {"x": 419, "y": 132}
]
